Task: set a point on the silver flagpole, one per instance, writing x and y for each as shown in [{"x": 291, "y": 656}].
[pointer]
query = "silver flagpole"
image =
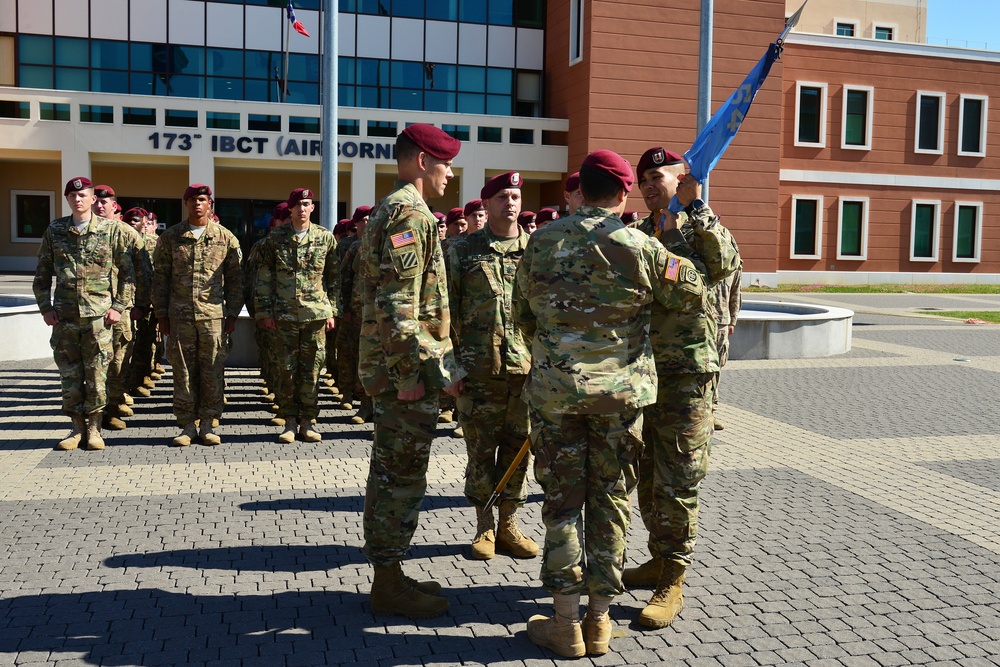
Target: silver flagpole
[
  {"x": 705, "y": 74},
  {"x": 328, "y": 174}
]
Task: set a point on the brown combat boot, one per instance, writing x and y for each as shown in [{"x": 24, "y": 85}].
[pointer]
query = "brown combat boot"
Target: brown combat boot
[
  {"x": 189, "y": 433},
  {"x": 287, "y": 436},
  {"x": 208, "y": 436},
  {"x": 72, "y": 441},
  {"x": 307, "y": 434},
  {"x": 276, "y": 421},
  {"x": 124, "y": 410},
  {"x": 510, "y": 539},
  {"x": 645, "y": 575},
  {"x": 112, "y": 420},
  {"x": 563, "y": 632},
  {"x": 667, "y": 600},
  {"x": 597, "y": 625},
  {"x": 128, "y": 399},
  {"x": 484, "y": 543},
  {"x": 94, "y": 439},
  {"x": 148, "y": 383},
  {"x": 392, "y": 594},
  {"x": 142, "y": 391}
]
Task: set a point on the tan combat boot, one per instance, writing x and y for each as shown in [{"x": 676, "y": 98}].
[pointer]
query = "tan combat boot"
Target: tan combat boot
[
  {"x": 154, "y": 376},
  {"x": 208, "y": 436},
  {"x": 484, "y": 543},
  {"x": 510, "y": 539},
  {"x": 287, "y": 436},
  {"x": 112, "y": 421},
  {"x": 446, "y": 417},
  {"x": 597, "y": 625},
  {"x": 128, "y": 399},
  {"x": 189, "y": 433},
  {"x": 148, "y": 383},
  {"x": 643, "y": 576},
  {"x": 276, "y": 421},
  {"x": 392, "y": 594},
  {"x": 94, "y": 439},
  {"x": 667, "y": 600},
  {"x": 124, "y": 410},
  {"x": 142, "y": 391},
  {"x": 307, "y": 434},
  {"x": 563, "y": 632},
  {"x": 72, "y": 441},
  {"x": 458, "y": 433},
  {"x": 159, "y": 368}
]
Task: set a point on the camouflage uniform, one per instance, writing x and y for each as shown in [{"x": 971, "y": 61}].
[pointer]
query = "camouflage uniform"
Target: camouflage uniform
[
  {"x": 144, "y": 342},
  {"x": 123, "y": 332},
  {"x": 297, "y": 287},
  {"x": 678, "y": 428},
  {"x": 86, "y": 288},
  {"x": 728, "y": 301},
  {"x": 582, "y": 296},
  {"x": 267, "y": 346},
  {"x": 491, "y": 349},
  {"x": 336, "y": 340},
  {"x": 196, "y": 284},
  {"x": 404, "y": 341},
  {"x": 349, "y": 336}
]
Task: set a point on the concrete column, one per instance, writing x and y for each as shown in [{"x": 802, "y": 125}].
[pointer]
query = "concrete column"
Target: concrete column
[
  {"x": 75, "y": 162},
  {"x": 472, "y": 182},
  {"x": 201, "y": 169},
  {"x": 362, "y": 186}
]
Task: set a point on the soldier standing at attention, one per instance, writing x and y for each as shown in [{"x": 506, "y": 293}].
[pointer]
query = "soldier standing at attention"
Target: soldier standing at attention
[
  {"x": 197, "y": 296},
  {"x": 405, "y": 360},
  {"x": 475, "y": 216},
  {"x": 144, "y": 327},
  {"x": 679, "y": 427},
  {"x": 582, "y": 297},
  {"x": 349, "y": 336},
  {"x": 491, "y": 350},
  {"x": 572, "y": 194},
  {"x": 79, "y": 251},
  {"x": 296, "y": 296},
  {"x": 545, "y": 216},
  {"x": 456, "y": 225}
]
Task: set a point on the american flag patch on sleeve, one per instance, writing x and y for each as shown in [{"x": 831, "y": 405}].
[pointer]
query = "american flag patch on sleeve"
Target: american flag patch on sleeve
[
  {"x": 403, "y": 239},
  {"x": 673, "y": 267}
]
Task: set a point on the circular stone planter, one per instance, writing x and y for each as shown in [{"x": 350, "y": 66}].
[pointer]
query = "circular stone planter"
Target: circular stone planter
[{"x": 783, "y": 330}]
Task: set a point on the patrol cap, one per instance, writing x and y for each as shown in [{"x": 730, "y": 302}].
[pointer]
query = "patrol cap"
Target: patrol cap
[
  {"x": 546, "y": 215},
  {"x": 526, "y": 218},
  {"x": 573, "y": 182},
  {"x": 511, "y": 179},
  {"x": 657, "y": 156},
  {"x": 455, "y": 215},
  {"x": 135, "y": 214},
  {"x": 104, "y": 191},
  {"x": 281, "y": 211},
  {"x": 472, "y": 206},
  {"x": 610, "y": 164},
  {"x": 78, "y": 183},
  {"x": 433, "y": 140},
  {"x": 298, "y": 194},
  {"x": 359, "y": 213},
  {"x": 196, "y": 189},
  {"x": 630, "y": 216}
]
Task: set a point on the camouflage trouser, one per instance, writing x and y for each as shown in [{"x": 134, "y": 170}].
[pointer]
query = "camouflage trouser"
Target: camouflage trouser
[
  {"x": 121, "y": 358},
  {"x": 722, "y": 344},
  {"x": 267, "y": 347},
  {"x": 143, "y": 347},
  {"x": 495, "y": 420},
  {"x": 678, "y": 438},
  {"x": 348, "y": 339},
  {"x": 330, "y": 358},
  {"x": 197, "y": 352},
  {"x": 82, "y": 350},
  {"x": 397, "y": 475},
  {"x": 300, "y": 353},
  {"x": 585, "y": 460}
]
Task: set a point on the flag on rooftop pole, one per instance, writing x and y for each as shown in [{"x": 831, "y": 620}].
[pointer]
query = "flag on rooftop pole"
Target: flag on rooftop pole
[{"x": 296, "y": 24}]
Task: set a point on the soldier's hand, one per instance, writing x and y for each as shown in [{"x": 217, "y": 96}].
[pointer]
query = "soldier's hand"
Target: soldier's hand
[
  {"x": 688, "y": 190},
  {"x": 230, "y": 325},
  {"x": 414, "y": 394},
  {"x": 51, "y": 318},
  {"x": 112, "y": 317},
  {"x": 164, "y": 326},
  {"x": 455, "y": 388},
  {"x": 732, "y": 328},
  {"x": 267, "y": 324},
  {"x": 138, "y": 313},
  {"x": 330, "y": 324}
]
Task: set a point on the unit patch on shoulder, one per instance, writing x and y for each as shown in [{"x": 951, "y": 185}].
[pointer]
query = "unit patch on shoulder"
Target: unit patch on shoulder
[
  {"x": 403, "y": 239},
  {"x": 690, "y": 275},
  {"x": 408, "y": 260},
  {"x": 673, "y": 267}
]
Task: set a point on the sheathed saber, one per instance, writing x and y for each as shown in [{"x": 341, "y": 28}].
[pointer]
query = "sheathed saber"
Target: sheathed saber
[{"x": 507, "y": 475}]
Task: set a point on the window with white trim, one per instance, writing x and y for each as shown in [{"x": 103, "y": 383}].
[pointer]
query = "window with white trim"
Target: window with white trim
[
  {"x": 856, "y": 122},
  {"x": 846, "y": 28},
  {"x": 852, "y": 228},
  {"x": 31, "y": 211},
  {"x": 968, "y": 236},
  {"x": 810, "y": 114},
  {"x": 925, "y": 230},
  {"x": 575, "y": 31},
  {"x": 972, "y": 125},
  {"x": 929, "y": 134},
  {"x": 884, "y": 32},
  {"x": 807, "y": 227}
]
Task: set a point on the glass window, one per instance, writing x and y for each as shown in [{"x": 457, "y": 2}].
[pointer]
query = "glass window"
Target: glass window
[
  {"x": 141, "y": 57},
  {"x": 810, "y": 117},
  {"x": 472, "y": 11},
  {"x": 408, "y": 8},
  {"x": 71, "y": 78},
  {"x": 256, "y": 90},
  {"x": 460, "y": 132},
  {"x": 181, "y": 118},
  {"x": 498, "y": 105},
  {"x": 345, "y": 70},
  {"x": 501, "y": 12},
  {"x": 381, "y": 128},
  {"x": 348, "y": 128},
  {"x": 519, "y": 136},
  {"x": 883, "y": 32},
  {"x": 442, "y": 10},
  {"x": 349, "y": 6},
  {"x": 345, "y": 96},
  {"x": 845, "y": 29},
  {"x": 972, "y": 117},
  {"x": 35, "y": 50},
  {"x": 499, "y": 81},
  {"x": 220, "y": 88},
  {"x": 967, "y": 231},
  {"x": 222, "y": 120},
  {"x": 377, "y": 7},
  {"x": 491, "y": 135},
  {"x": 406, "y": 98},
  {"x": 406, "y": 73},
  {"x": 303, "y": 125},
  {"x": 224, "y": 62},
  {"x": 852, "y": 229},
  {"x": 930, "y": 122},
  {"x": 923, "y": 237},
  {"x": 440, "y": 101},
  {"x": 185, "y": 86},
  {"x": 72, "y": 52},
  {"x": 300, "y": 92},
  {"x": 49, "y": 111},
  {"x": 106, "y": 54},
  {"x": 442, "y": 77},
  {"x": 261, "y": 64},
  {"x": 263, "y": 123},
  {"x": 34, "y": 211},
  {"x": 370, "y": 97},
  {"x": 11, "y": 109},
  {"x": 303, "y": 67},
  {"x": 471, "y": 79},
  {"x": 96, "y": 114},
  {"x": 471, "y": 103},
  {"x": 857, "y": 105},
  {"x": 373, "y": 72},
  {"x": 806, "y": 226},
  {"x": 138, "y": 116},
  {"x": 104, "y": 81},
  {"x": 33, "y": 76},
  {"x": 530, "y": 13},
  {"x": 576, "y": 9}
]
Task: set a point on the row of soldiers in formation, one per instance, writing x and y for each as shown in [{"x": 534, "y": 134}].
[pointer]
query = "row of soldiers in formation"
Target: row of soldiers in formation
[{"x": 560, "y": 339}]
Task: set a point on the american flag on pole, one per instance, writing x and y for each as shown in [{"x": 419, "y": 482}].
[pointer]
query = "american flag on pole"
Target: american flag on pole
[{"x": 296, "y": 24}]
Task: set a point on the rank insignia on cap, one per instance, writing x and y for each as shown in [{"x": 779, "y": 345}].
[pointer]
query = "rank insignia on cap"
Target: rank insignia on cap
[
  {"x": 77, "y": 184},
  {"x": 673, "y": 267},
  {"x": 515, "y": 179},
  {"x": 658, "y": 157},
  {"x": 403, "y": 239}
]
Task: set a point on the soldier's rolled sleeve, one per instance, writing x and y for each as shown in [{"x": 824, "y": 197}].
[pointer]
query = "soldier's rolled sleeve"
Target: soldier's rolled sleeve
[
  {"x": 233, "y": 277},
  {"x": 163, "y": 267},
  {"x": 42, "y": 284}
]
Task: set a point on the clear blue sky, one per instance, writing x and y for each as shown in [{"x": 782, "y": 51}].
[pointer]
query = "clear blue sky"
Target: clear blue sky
[{"x": 959, "y": 21}]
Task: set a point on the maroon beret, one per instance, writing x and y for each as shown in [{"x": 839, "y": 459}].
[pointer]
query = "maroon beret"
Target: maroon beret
[
  {"x": 433, "y": 140},
  {"x": 104, "y": 191},
  {"x": 439, "y": 216},
  {"x": 281, "y": 211},
  {"x": 342, "y": 226},
  {"x": 152, "y": 216},
  {"x": 454, "y": 215},
  {"x": 547, "y": 215},
  {"x": 610, "y": 164},
  {"x": 135, "y": 214},
  {"x": 526, "y": 218},
  {"x": 657, "y": 156},
  {"x": 298, "y": 194},
  {"x": 359, "y": 213},
  {"x": 573, "y": 182},
  {"x": 78, "y": 183},
  {"x": 511, "y": 179},
  {"x": 196, "y": 189},
  {"x": 118, "y": 207},
  {"x": 630, "y": 217},
  {"x": 472, "y": 206}
]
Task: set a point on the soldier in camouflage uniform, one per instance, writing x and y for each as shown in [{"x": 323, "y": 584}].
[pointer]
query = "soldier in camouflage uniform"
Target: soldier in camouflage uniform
[
  {"x": 143, "y": 323},
  {"x": 85, "y": 253},
  {"x": 453, "y": 222},
  {"x": 344, "y": 236},
  {"x": 571, "y": 193},
  {"x": 493, "y": 353},
  {"x": 405, "y": 360},
  {"x": 728, "y": 301},
  {"x": 267, "y": 345},
  {"x": 296, "y": 296},
  {"x": 197, "y": 296},
  {"x": 582, "y": 296},
  {"x": 678, "y": 429},
  {"x": 349, "y": 336}
]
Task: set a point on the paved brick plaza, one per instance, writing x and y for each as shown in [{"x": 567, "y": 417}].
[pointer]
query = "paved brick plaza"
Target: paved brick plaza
[{"x": 851, "y": 517}]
